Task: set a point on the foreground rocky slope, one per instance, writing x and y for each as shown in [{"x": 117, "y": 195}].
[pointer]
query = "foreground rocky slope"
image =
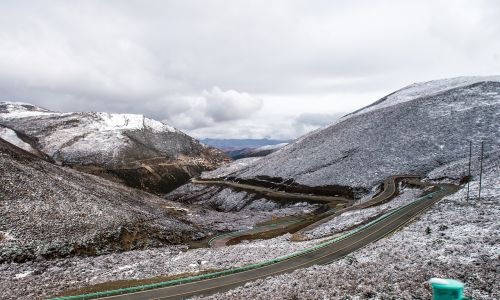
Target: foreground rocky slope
[
  {"x": 411, "y": 131},
  {"x": 48, "y": 211},
  {"x": 454, "y": 239},
  {"x": 132, "y": 149}
]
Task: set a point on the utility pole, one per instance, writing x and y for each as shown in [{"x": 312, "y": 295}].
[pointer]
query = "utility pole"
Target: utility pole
[
  {"x": 481, "y": 170},
  {"x": 468, "y": 175}
]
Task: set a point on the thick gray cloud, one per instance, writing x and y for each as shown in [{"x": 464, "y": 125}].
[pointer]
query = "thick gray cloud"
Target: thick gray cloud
[
  {"x": 237, "y": 68},
  {"x": 229, "y": 105}
]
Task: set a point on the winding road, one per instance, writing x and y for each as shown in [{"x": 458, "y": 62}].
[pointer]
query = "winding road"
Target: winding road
[
  {"x": 329, "y": 200},
  {"x": 337, "y": 205},
  {"x": 324, "y": 253}
]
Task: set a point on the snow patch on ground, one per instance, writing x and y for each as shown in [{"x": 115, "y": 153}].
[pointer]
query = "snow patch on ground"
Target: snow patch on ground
[
  {"x": 109, "y": 121},
  {"x": 6, "y": 236},
  {"x": 22, "y": 275},
  {"x": 10, "y": 136}
]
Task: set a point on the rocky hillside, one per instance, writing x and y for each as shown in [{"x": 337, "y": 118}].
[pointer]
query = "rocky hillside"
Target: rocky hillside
[
  {"x": 132, "y": 149},
  {"x": 49, "y": 211},
  {"x": 413, "y": 130}
]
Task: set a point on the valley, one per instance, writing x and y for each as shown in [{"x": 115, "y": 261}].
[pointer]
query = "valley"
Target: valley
[{"x": 125, "y": 207}]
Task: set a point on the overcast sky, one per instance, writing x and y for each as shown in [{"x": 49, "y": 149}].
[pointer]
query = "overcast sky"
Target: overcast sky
[{"x": 248, "y": 69}]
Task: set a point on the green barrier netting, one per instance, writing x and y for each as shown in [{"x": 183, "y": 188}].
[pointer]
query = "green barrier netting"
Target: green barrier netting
[{"x": 246, "y": 267}]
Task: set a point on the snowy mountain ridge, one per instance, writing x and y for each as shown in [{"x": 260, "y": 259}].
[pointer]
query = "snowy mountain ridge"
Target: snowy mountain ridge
[
  {"x": 78, "y": 135},
  {"x": 425, "y": 89},
  {"x": 122, "y": 143},
  {"x": 104, "y": 121},
  {"x": 412, "y": 92}
]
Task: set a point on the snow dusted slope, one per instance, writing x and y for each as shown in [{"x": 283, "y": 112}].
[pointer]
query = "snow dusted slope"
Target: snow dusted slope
[
  {"x": 413, "y": 130},
  {"x": 425, "y": 89},
  {"x": 128, "y": 145},
  {"x": 455, "y": 239},
  {"x": 85, "y": 137},
  {"x": 229, "y": 168},
  {"x": 50, "y": 211}
]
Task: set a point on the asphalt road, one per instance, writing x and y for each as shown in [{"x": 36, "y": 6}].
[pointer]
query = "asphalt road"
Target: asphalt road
[
  {"x": 323, "y": 255},
  {"x": 330, "y": 200},
  {"x": 389, "y": 190}
]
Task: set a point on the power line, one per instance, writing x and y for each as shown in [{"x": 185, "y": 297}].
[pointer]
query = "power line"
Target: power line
[
  {"x": 481, "y": 170},
  {"x": 468, "y": 176}
]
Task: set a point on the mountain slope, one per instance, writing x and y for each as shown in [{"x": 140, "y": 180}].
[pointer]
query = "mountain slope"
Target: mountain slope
[
  {"x": 49, "y": 211},
  {"x": 138, "y": 151},
  {"x": 255, "y": 152},
  {"x": 413, "y": 130}
]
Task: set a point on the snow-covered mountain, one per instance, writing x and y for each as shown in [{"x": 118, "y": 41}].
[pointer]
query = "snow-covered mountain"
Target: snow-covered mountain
[
  {"x": 413, "y": 130},
  {"x": 50, "y": 211},
  {"x": 139, "y": 151}
]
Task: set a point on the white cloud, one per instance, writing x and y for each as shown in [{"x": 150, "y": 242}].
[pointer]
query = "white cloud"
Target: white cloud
[
  {"x": 229, "y": 105},
  {"x": 214, "y": 107}
]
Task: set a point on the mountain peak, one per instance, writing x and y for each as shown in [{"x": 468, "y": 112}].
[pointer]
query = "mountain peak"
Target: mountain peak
[
  {"x": 21, "y": 109},
  {"x": 123, "y": 144},
  {"x": 425, "y": 89}
]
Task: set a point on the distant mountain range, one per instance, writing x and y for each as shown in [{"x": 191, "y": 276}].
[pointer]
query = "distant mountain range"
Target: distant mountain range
[
  {"x": 241, "y": 148},
  {"x": 254, "y": 152},
  {"x": 232, "y": 144}
]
